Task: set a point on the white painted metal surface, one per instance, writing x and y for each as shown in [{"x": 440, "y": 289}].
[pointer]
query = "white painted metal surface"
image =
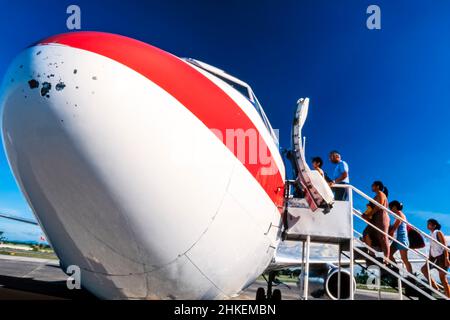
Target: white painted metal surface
[
  {"x": 351, "y": 248},
  {"x": 306, "y": 268},
  {"x": 330, "y": 227},
  {"x": 131, "y": 186}
]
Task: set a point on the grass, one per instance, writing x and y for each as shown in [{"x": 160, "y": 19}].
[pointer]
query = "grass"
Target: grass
[
  {"x": 382, "y": 288},
  {"x": 284, "y": 278},
  {"x": 30, "y": 254}
]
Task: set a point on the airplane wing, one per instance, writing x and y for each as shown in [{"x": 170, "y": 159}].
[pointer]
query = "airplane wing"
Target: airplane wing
[
  {"x": 283, "y": 262},
  {"x": 20, "y": 219}
]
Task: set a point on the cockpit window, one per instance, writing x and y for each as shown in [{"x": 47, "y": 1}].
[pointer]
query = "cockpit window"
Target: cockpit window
[
  {"x": 242, "y": 89},
  {"x": 264, "y": 119},
  {"x": 239, "y": 86}
]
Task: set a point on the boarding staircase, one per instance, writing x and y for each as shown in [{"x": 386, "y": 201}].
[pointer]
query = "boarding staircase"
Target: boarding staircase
[
  {"x": 336, "y": 227},
  {"x": 315, "y": 216},
  {"x": 413, "y": 281}
]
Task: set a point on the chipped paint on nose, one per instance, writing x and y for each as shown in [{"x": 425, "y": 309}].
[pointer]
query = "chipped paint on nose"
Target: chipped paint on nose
[
  {"x": 46, "y": 87},
  {"x": 60, "y": 86},
  {"x": 33, "y": 84},
  {"x": 44, "y": 74}
]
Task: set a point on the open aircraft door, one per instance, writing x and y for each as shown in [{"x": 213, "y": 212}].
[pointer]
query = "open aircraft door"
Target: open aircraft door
[{"x": 317, "y": 191}]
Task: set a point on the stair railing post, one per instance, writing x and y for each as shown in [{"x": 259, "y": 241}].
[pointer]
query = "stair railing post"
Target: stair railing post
[
  {"x": 400, "y": 288},
  {"x": 339, "y": 271},
  {"x": 306, "y": 284},
  {"x": 379, "y": 287},
  {"x": 351, "y": 244},
  {"x": 302, "y": 277}
]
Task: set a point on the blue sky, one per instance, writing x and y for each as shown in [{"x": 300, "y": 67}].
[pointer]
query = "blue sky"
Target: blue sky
[{"x": 381, "y": 97}]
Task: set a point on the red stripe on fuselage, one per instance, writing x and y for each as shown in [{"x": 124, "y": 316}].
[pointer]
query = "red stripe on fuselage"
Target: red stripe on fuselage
[{"x": 197, "y": 93}]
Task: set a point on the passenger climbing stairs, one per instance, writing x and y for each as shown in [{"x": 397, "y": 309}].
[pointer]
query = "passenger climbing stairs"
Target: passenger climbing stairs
[
  {"x": 313, "y": 215},
  {"x": 337, "y": 227}
]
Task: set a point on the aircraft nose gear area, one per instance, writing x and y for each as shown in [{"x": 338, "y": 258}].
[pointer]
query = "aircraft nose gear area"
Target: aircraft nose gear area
[{"x": 272, "y": 295}]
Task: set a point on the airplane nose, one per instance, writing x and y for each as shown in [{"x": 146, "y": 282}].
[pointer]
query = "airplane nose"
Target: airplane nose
[
  {"x": 47, "y": 97},
  {"x": 95, "y": 148},
  {"x": 127, "y": 181}
]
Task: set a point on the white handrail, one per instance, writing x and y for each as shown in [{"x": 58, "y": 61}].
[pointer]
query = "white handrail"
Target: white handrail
[
  {"x": 362, "y": 194},
  {"x": 398, "y": 276},
  {"x": 358, "y": 214},
  {"x": 407, "y": 275},
  {"x": 429, "y": 286}
]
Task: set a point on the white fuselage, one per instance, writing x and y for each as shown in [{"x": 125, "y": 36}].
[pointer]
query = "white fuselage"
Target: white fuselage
[{"x": 129, "y": 184}]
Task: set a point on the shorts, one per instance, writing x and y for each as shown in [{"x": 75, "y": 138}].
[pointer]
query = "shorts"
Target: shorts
[
  {"x": 440, "y": 261},
  {"x": 340, "y": 194},
  {"x": 403, "y": 239}
]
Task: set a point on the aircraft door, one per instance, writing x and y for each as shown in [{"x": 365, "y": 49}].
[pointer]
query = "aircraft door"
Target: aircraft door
[{"x": 317, "y": 191}]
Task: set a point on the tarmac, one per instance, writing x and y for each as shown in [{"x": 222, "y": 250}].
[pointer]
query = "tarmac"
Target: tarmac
[
  {"x": 24, "y": 278},
  {"x": 39, "y": 279}
]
